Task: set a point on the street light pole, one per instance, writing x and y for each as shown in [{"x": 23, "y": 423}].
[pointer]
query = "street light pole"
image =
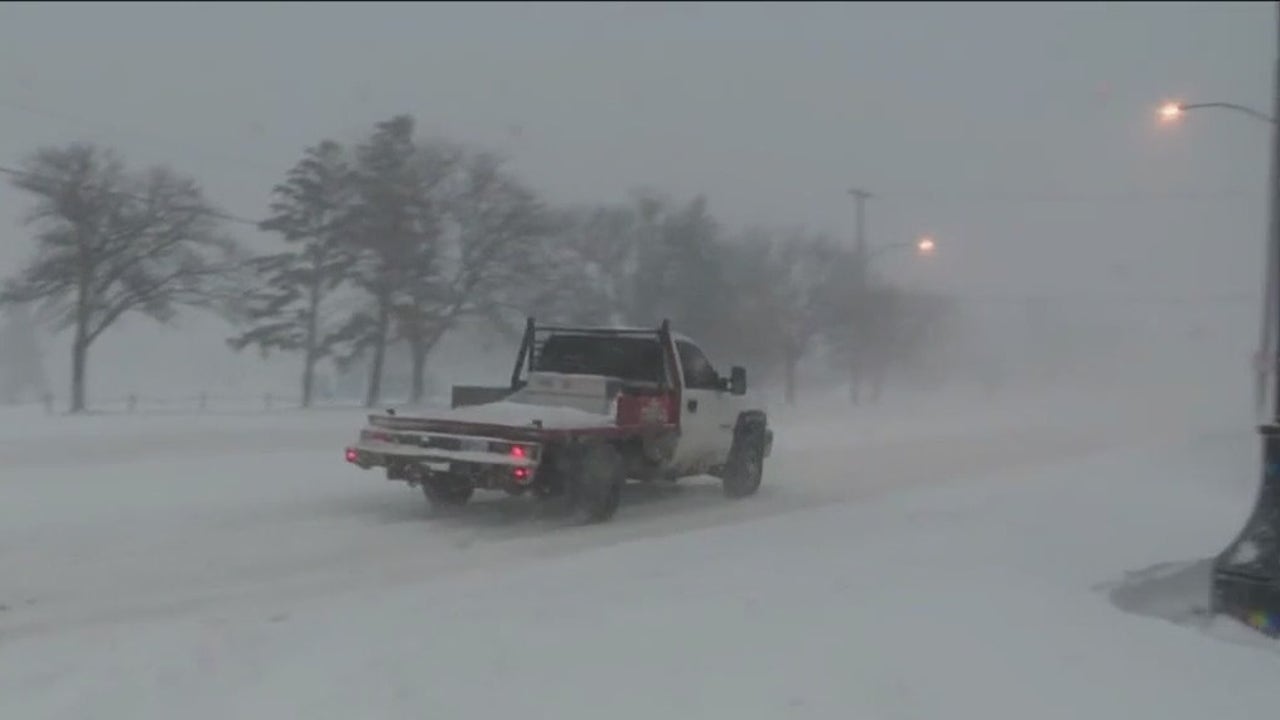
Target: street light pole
[
  {"x": 860, "y": 198},
  {"x": 1273, "y": 217},
  {"x": 861, "y": 351},
  {"x": 1264, "y": 367},
  {"x": 861, "y": 260},
  {"x": 1246, "y": 575}
]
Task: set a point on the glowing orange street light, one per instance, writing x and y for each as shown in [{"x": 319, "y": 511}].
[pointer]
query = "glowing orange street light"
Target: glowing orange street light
[
  {"x": 922, "y": 246},
  {"x": 1171, "y": 112}
]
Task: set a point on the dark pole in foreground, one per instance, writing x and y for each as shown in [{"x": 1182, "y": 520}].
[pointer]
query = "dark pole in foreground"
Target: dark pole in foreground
[
  {"x": 1264, "y": 367},
  {"x": 1246, "y": 575}
]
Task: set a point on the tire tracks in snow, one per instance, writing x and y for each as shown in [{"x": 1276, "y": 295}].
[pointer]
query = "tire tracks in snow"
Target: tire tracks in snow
[{"x": 491, "y": 535}]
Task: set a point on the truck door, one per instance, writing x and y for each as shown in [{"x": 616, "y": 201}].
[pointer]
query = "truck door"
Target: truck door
[{"x": 704, "y": 422}]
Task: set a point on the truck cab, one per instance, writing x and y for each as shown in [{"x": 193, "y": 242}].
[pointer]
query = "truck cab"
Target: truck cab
[{"x": 709, "y": 409}]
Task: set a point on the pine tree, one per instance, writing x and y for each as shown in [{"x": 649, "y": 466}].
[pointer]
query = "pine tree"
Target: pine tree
[
  {"x": 285, "y": 309},
  {"x": 388, "y": 209}
]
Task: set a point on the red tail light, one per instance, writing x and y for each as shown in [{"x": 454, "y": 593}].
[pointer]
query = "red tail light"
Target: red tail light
[
  {"x": 521, "y": 475},
  {"x": 517, "y": 451},
  {"x": 352, "y": 455}
]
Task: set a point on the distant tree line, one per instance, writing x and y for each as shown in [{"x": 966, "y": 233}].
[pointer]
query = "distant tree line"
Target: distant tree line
[{"x": 399, "y": 240}]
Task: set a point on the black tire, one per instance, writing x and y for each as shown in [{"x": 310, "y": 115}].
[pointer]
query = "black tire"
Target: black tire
[
  {"x": 595, "y": 476},
  {"x": 443, "y": 494},
  {"x": 744, "y": 470}
]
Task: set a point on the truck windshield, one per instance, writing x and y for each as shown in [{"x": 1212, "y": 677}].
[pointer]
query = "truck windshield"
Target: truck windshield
[{"x": 625, "y": 358}]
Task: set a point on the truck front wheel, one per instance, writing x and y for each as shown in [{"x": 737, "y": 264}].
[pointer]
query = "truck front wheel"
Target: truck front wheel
[{"x": 744, "y": 469}]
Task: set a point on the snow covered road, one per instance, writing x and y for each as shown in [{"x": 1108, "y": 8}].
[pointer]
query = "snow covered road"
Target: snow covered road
[
  {"x": 224, "y": 571},
  {"x": 99, "y": 529}
]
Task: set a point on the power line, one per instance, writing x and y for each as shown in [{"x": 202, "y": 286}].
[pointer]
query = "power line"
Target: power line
[
  {"x": 1103, "y": 298},
  {"x": 1033, "y": 198},
  {"x": 1066, "y": 198}
]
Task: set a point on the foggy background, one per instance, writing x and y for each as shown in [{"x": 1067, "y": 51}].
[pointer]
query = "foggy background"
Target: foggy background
[{"x": 1022, "y": 137}]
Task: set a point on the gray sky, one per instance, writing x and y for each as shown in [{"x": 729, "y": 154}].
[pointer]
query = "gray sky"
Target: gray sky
[{"x": 1023, "y": 136}]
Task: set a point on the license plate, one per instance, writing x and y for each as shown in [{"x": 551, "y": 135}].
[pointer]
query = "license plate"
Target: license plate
[{"x": 437, "y": 466}]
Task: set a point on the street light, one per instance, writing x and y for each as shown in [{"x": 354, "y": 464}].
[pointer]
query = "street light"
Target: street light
[
  {"x": 1173, "y": 111},
  {"x": 923, "y": 246}
]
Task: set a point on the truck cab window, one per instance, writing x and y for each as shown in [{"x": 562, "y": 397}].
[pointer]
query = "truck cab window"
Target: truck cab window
[
  {"x": 635, "y": 359},
  {"x": 698, "y": 372}
]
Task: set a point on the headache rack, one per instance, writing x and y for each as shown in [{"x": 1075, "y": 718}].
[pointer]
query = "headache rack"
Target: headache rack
[{"x": 535, "y": 338}]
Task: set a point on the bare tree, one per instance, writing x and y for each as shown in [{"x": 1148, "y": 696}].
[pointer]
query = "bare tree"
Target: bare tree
[
  {"x": 861, "y": 325},
  {"x": 922, "y": 322},
  {"x": 678, "y": 273},
  {"x": 586, "y": 267},
  {"x": 283, "y": 307},
  {"x": 110, "y": 243},
  {"x": 783, "y": 289},
  {"x": 484, "y": 265}
]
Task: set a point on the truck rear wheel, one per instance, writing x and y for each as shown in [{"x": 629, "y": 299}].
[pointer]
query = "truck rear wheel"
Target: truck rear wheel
[
  {"x": 745, "y": 468},
  {"x": 441, "y": 493},
  {"x": 596, "y": 474}
]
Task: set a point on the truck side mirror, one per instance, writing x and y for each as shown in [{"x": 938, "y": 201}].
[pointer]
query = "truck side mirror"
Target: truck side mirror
[{"x": 738, "y": 380}]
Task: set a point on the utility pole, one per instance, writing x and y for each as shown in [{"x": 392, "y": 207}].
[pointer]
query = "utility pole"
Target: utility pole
[
  {"x": 1246, "y": 575},
  {"x": 1267, "y": 361},
  {"x": 861, "y": 260},
  {"x": 1269, "y": 340},
  {"x": 860, "y": 198},
  {"x": 1270, "y": 294}
]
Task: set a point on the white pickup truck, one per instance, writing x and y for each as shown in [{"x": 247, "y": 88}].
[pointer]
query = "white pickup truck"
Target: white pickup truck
[{"x": 586, "y": 410}]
